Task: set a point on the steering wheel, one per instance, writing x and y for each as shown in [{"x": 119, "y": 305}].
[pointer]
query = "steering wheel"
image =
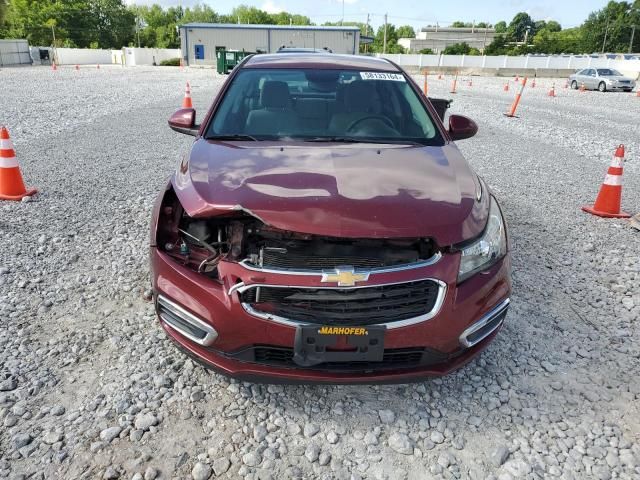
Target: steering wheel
[{"x": 381, "y": 118}]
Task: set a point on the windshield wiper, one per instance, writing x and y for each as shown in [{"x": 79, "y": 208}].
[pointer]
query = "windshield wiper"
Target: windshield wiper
[
  {"x": 360, "y": 140},
  {"x": 238, "y": 137}
]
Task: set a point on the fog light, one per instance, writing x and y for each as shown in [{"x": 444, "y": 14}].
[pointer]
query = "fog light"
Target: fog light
[
  {"x": 485, "y": 326},
  {"x": 185, "y": 323}
]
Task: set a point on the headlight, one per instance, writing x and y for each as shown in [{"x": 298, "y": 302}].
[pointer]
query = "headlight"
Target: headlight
[{"x": 487, "y": 250}]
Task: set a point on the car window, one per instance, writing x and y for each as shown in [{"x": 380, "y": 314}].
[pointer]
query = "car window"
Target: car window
[
  {"x": 608, "y": 72},
  {"x": 591, "y": 72},
  {"x": 308, "y": 104}
]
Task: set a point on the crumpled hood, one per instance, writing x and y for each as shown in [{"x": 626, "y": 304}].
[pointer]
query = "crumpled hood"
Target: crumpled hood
[{"x": 354, "y": 190}]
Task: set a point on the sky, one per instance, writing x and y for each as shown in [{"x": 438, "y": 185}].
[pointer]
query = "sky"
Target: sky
[{"x": 416, "y": 13}]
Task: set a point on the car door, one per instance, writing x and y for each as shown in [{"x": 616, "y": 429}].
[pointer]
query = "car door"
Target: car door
[
  {"x": 580, "y": 76},
  {"x": 591, "y": 80}
]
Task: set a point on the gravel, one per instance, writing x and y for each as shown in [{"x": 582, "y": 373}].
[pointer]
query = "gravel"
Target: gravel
[{"x": 82, "y": 356}]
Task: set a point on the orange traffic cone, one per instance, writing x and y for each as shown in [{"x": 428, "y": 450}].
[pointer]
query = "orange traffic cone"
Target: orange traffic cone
[
  {"x": 608, "y": 200},
  {"x": 506, "y": 87},
  {"x": 552, "y": 92},
  {"x": 53, "y": 66},
  {"x": 533, "y": 83},
  {"x": 638, "y": 92},
  {"x": 77, "y": 67},
  {"x": 11, "y": 183},
  {"x": 566, "y": 84},
  {"x": 439, "y": 76},
  {"x": 470, "y": 83},
  {"x": 517, "y": 78},
  {"x": 186, "y": 102},
  {"x": 582, "y": 87},
  {"x": 98, "y": 67}
]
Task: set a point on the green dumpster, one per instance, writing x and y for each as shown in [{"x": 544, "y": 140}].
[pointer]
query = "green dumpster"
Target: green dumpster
[{"x": 226, "y": 60}]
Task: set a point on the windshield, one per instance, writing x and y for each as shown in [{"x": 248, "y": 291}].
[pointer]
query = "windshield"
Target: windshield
[
  {"x": 323, "y": 105},
  {"x": 605, "y": 72}
]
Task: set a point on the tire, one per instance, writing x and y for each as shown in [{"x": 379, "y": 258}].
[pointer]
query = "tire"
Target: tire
[
  {"x": 574, "y": 85},
  {"x": 602, "y": 87}
]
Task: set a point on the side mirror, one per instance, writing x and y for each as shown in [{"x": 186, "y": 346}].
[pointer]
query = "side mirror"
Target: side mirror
[
  {"x": 461, "y": 127},
  {"x": 184, "y": 121}
]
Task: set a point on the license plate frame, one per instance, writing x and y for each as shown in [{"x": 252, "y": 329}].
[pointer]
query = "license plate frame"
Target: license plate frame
[{"x": 312, "y": 341}]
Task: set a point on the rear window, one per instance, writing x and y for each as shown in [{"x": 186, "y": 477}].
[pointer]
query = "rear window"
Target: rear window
[{"x": 301, "y": 104}]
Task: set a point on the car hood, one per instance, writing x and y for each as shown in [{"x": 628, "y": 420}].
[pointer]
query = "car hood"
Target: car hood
[{"x": 337, "y": 190}]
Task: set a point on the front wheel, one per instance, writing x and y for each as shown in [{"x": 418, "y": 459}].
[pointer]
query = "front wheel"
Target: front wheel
[
  {"x": 602, "y": 87},
  {"x": 574, "y": 85}
]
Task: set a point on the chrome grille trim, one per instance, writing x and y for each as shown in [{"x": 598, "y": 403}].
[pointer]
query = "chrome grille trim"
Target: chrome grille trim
[
  {"x": 442, "y": 290},
  {"x": 435, "y": 258}
]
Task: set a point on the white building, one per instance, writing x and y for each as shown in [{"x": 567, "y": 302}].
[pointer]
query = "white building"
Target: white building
[
  {"x": 199, "y": 41},
  {"x": 439, "y": 38}
]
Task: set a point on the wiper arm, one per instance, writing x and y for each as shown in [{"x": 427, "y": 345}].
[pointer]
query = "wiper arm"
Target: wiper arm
[
  {"x": 359, "y": 140},
  {"x": 239, "y": 137}
]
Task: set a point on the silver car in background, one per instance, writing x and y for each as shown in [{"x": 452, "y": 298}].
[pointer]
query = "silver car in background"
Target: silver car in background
[{"x": 602, "y": 79}]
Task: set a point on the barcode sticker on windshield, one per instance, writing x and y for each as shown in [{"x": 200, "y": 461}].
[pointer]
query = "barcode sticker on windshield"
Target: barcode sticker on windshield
[{"x": 394, "y": 77}]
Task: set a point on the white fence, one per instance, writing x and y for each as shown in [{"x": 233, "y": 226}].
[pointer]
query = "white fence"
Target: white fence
[
  {"x": 14, "y": 52},
  {"x": 82, "y": 56},
  {"x": 148, "y": 56},
  {"x": 568, "y": 62}
]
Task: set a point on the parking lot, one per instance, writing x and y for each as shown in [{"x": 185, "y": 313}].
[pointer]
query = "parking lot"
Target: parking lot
[{"x": 90, "y": 387}]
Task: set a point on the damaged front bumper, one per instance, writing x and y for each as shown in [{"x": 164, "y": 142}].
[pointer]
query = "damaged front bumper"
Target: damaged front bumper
[{"x": 252, "y": 346}]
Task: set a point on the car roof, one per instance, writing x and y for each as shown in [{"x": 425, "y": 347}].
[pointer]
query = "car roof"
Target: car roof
[{"x": 320, "y": 61}]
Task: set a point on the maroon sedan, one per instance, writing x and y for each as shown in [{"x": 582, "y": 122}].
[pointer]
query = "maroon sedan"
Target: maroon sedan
[{"x": 325, "y": 228}]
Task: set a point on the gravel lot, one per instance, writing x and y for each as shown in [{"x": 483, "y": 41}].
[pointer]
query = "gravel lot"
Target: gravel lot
[{"x": 91, "y": 388}]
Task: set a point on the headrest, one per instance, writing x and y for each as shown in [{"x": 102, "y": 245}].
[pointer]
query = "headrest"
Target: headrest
[{"x": 275, "y": 95}]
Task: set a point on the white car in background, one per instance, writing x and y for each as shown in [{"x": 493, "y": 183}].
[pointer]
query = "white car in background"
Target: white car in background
[{"x": 602, "y": 79}]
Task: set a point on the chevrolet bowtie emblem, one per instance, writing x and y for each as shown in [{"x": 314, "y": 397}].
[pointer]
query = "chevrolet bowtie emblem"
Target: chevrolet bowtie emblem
[{"x": 344, "y": 276}]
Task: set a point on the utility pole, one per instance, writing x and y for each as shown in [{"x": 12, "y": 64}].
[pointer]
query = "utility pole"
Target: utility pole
[
  {"x": 366, "y": 33},
  {"x": 342, "y": 21},
  {"x": 526, "y": 35},
  {"x": 384, "y": 44},
  {"x": 633, "y": 34},
  {"x": 606, "y": 31},
  {"x": 53, "y": 32},
  {"x": 138, "y": 30}
]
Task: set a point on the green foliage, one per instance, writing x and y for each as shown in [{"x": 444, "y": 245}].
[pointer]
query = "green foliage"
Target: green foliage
[
  {"x": 78, "y": 23},
  {"x": 501, "y": 27},
  {"x": 406, "y": 31},
  {"x": 171, "y": 62},
  {"x": 426, "y": 51},
  {"x": 519, "y": 25},
  {"x": 392, "y": 40},
  {"x": 461, "y": 49},
  {"x": 563, "y": 41},
  {"x": 616, "y": 20}
]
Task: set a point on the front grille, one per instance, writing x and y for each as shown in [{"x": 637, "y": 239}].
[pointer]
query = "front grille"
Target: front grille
[
  {"x": 339, "y": 306},
  {"x": 292, "y": 261},
  {"x": 394, "y": 358}
]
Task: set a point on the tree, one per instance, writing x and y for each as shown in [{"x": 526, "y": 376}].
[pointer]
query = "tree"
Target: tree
[
  {"x": 426, "y": 51},
  {"x": 519, "y": 25},
  {"x": 497, "y": 47},
  {"x": 406, "y": 31},
  {"x": 501, "y": 27},
  {"x": 461, "y": 49},
  {"x": 392, "y": 40},
  {"x": 614, "y": 22}
]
